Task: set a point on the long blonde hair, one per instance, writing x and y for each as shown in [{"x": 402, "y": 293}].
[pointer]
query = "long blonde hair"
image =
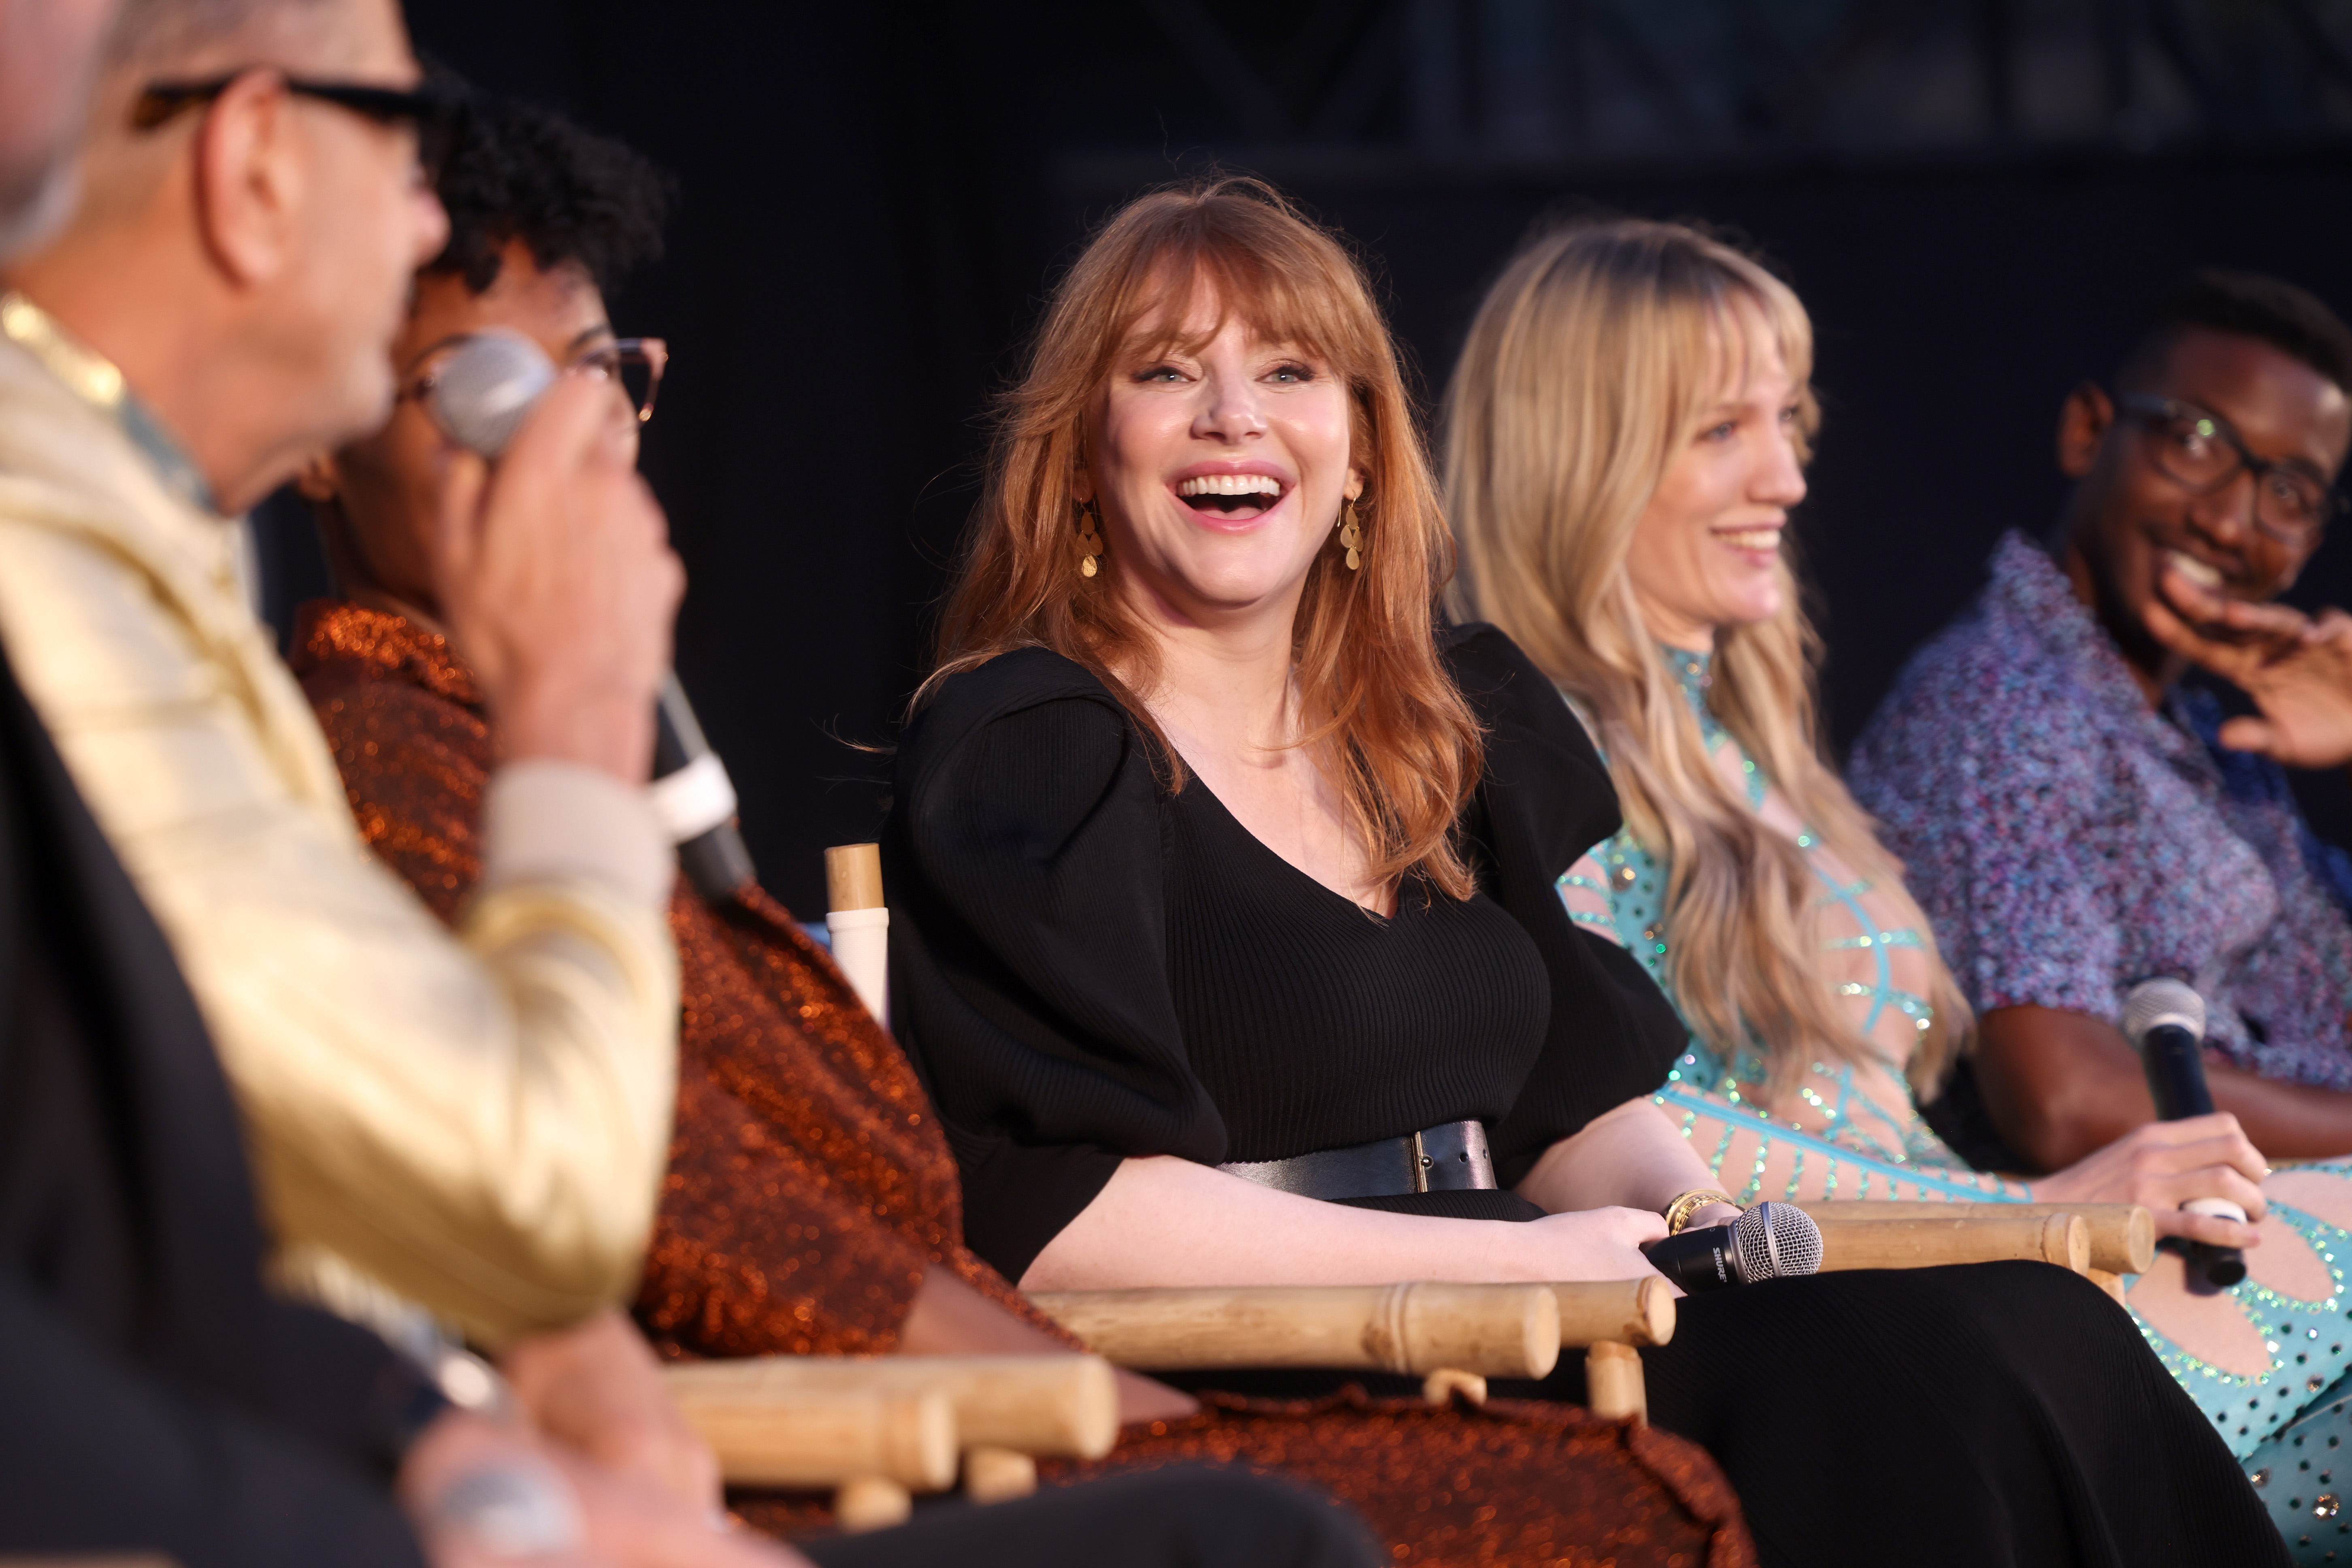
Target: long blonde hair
[
  {"x": 1403, "y": 746},
  {"x": 1587, "y": 373}
]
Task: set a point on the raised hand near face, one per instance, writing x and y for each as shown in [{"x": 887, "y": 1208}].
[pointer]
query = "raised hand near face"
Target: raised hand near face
[
  {"x": 2296, "y": 667},
  {"x": 554, "y": 572}
]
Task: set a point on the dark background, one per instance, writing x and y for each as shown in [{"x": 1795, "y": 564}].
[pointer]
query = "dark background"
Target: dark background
[{"x": 1974, "y": 198}]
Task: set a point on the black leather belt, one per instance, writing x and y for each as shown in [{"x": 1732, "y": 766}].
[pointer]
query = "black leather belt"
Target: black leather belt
[{"x": 1451, "y": 1158}]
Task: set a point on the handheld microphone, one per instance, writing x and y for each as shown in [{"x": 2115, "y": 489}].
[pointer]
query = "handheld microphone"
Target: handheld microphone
[
  {"x": 480, "y": 395},
  {"x": 2165, "y": 1022},
  {"x": 1770, "y": 1241}
]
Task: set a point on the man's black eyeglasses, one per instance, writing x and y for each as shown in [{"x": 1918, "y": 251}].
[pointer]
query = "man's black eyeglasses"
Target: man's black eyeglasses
[
  {"x": 437, "y": 111},
  {"x": 2203, "y": 452}
]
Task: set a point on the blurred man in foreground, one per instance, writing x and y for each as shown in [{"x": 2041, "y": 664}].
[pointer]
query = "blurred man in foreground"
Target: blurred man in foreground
[
  {"x": 478, "y": 1123},
  {"x": 152, "y": 1395}
]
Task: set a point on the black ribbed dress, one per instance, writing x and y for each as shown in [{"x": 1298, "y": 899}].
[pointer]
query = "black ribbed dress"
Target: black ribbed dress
[{"x": 1086, "y": 967}]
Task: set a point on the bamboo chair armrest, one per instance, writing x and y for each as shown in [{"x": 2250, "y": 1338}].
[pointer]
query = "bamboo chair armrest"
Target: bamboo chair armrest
[
  {"x": 1964, "y": 1233},
  {"x": 809, "y": 1438},
  {"x": 1494, "y": 1330},
  {"x": 1054, "y": 1406},
  {"x": 2123, "y": 1236},
  {"x": 1614, "y": 1311},
  {"x": 1491, "y": 1330}
]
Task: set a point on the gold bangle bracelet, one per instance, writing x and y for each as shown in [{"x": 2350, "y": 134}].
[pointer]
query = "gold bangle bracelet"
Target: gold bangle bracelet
[{"x": 1678, "y": 1213}]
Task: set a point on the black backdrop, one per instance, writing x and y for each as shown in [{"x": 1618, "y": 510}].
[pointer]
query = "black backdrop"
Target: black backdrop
[{"x": 876, "y": 197}]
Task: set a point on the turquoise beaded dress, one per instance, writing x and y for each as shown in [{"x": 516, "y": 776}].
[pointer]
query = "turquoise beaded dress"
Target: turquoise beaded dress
[{"x": 2291, "y": 1426}]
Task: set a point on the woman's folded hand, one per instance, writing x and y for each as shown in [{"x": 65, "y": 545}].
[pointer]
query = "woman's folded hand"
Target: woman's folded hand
[
  {"x": 2164, "y": 1164},
  {"x": 1589, "y": 1244}
]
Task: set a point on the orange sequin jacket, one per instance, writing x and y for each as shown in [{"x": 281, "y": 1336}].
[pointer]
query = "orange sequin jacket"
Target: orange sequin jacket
[{"x": 788, "y": 1089}]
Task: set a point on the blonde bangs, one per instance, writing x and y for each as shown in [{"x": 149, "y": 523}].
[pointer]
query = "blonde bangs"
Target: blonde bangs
[{"x": 1590, "y": 365}]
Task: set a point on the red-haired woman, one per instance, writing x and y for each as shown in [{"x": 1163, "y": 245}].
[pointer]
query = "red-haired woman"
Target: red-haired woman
[{"x": 1224, "y": 890}]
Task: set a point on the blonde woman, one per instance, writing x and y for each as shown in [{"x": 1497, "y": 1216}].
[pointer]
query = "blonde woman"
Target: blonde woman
[
  {"x": 1625, "y": 436},
  {"x": 1223, "y": 902}
]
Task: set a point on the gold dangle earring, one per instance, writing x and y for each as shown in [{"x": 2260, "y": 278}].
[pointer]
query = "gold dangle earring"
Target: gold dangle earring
[
  {"x": 1090, "y": 544},
  {"x": 1351, "y": 535}
]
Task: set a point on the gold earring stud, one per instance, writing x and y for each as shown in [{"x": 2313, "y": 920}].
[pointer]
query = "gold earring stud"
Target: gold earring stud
[
  {"x": 1352, "y": 536},
  {"x": 1090, "y": 544}
]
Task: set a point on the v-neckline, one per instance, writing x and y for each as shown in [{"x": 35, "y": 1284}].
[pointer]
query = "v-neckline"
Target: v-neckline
[{"x": 1194, "y": 781}]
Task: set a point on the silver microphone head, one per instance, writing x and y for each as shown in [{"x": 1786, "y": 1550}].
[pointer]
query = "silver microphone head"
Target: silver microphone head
[
  {"x": 1777, "y": 1241},
  {"x": 2157, "y": 1002},
  {"x": 484, "y": 388}
]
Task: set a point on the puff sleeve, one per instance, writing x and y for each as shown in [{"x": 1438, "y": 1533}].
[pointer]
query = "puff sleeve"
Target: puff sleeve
[
  {"x": 1543, "y": 800},
  {"x": 1028, "y": 954}
]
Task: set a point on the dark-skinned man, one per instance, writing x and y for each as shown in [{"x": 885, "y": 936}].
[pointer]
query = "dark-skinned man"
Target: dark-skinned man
[
  {"x": 2075, "y": 817},
  {"x": 2077, "y": 813}
]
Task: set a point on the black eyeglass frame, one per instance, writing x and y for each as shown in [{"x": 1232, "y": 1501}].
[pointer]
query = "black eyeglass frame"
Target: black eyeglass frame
[
  {"x": 652, "y": 352},
  {"x": 2150, "y": 411},
  {"x": 436, "y": 111}
]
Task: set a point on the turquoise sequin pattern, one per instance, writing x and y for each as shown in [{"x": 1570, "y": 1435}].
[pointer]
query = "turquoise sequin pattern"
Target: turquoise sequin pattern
[
  {"x": 2303, "y": 1477},
  {"x": 1863, "y": 1147}
]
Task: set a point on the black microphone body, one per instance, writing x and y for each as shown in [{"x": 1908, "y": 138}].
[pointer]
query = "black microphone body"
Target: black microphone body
[
  {"x": 2166, "y": 1021},
  {"x": 481, "y": 394},
  {"x": 1770, "y": 1241},
  {"x": 1698, "y": 1260},
  {"x": 2176, "y": 1073},
  {"x": 716, "y": 862}
]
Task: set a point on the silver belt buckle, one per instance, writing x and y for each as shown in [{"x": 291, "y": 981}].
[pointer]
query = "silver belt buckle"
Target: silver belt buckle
[{"x": 1452, "y": 1158}]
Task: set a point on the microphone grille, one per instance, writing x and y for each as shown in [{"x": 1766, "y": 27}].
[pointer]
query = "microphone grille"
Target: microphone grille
[
  {"x": 485, "y": 386},
  {"x": 2155, "y": 1002},
  {"x": 1777, "y": 1241}
]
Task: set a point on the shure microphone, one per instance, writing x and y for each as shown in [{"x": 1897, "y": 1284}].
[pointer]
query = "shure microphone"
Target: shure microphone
[
  {"x": 480, "y": 395},
  {"x": 2165, "y": 1022},
  {"x": 1770, "y": 1241}
]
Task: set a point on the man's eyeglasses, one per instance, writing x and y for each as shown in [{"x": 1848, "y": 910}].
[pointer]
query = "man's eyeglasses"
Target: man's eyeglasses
[
  {"x": 634, "y": 365},
  {"x": 2203, "y": 452},
  {"x": 437, "y": 112}
]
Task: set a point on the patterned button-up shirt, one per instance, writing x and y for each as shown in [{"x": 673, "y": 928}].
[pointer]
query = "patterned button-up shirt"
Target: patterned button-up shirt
[{"x": 2068, "y": 840}]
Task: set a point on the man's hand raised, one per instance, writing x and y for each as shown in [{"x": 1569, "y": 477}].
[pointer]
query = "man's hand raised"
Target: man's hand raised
[
  {"x": 2296, "y": 667},
  {"x": 554, "y": 572}
]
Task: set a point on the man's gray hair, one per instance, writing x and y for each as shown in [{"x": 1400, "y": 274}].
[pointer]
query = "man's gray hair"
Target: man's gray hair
[{"x": 156, "y": 32}]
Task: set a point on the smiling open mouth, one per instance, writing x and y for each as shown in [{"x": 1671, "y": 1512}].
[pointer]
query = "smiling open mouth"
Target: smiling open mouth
[
  {"x": 2196, "y": 571},
  {"x": 1231, "y": 495}
]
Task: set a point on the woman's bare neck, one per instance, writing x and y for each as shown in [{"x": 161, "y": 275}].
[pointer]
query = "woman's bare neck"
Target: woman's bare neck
[{"x": 1230, "y": 708}]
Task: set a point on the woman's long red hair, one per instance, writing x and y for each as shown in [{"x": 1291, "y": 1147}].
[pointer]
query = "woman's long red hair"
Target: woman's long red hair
[{"x": 1385, "y": 716}]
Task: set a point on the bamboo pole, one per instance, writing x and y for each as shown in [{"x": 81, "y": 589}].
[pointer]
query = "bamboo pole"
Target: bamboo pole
[
  {"x": 1495, "y": 1331},
  {"x": 853, "y": 877},
  {"x": 1851, "y": 1241},
  {"x": 1614, "y": 1389},
  {"x": 998, "y": 1475},
  {"x": 1628, "y": 1311},
  {"x": 2123, "y": 1236},
  {"x": 870, "y": 1502},
  {"x": 859, "y": 924},
  {"x": 1058, "y": 1406},
  {"x": 821, "y": 1437}
]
